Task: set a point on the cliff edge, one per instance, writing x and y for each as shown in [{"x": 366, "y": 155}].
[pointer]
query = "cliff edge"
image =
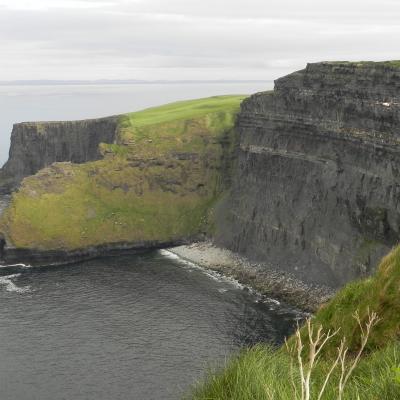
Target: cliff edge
[
  {"x": 316, "y": 190},
  {"x": 36, "y": 145}
]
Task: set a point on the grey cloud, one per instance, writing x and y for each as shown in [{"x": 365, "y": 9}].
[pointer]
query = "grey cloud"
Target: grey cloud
[{"x": 192, "y": 39}]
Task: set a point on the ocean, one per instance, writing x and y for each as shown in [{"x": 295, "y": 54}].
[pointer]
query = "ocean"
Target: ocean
[{"x": 142, "y": 327}]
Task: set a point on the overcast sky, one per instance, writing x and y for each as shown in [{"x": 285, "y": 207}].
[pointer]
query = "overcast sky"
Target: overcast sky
[{"x": 189, "y": 39}]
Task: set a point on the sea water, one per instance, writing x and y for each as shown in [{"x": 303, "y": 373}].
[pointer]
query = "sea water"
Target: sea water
[{"x": 129, "y": 327}]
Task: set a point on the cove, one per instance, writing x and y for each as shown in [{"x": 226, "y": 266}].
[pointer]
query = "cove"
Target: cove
[{"x": 126, "y": 327}]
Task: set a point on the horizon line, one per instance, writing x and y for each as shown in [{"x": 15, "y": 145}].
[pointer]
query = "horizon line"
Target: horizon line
[{"x": 60, "y": 82}]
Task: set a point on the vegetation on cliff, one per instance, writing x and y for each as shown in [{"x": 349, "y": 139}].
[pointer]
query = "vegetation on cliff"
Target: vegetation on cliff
[
  {"x": 157, "y": 182},
  {"x": 391, "y": 63},
  {"x": 263, "y": 373}
]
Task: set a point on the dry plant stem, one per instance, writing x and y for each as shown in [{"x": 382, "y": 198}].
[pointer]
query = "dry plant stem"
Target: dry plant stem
[
  {"x": 300, "y": 361},
  {"x": 334, "y": 365},
  {"x": 316, "y": 344},
  {"x": 317, "y": 340},
  {"x": 365, "y": 332},
  {"x": 269, "y": 393},
  {"x": 342, "y": 357}
]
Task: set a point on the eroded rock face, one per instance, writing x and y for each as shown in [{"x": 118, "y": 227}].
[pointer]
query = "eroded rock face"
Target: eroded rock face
[
  {"x": 317, "y": 189},
  {"x": 35, "y": 145}
]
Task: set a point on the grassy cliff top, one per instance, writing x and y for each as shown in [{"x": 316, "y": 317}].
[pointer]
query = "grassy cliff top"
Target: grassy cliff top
[
  {"x": 187, "y": 109},
  {"x": 156, "y": 183},
  {"x": 390, "y": 63}
]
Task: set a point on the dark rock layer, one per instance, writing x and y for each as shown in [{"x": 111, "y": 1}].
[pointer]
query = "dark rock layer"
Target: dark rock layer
[
  {"x": 317, "y": 188},
  {"x": 61, "y": 257},
  {"x": 35, "y": 145}
]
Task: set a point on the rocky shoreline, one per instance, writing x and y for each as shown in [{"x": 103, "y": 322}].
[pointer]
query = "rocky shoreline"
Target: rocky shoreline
[{"x": 261, "y": 277}]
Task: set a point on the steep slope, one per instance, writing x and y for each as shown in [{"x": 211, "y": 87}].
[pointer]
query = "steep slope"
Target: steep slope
[
  {"x": 156, "y": 184},
  {"x": 316, "y": 191},
  {"x": 265, "y": 373}
]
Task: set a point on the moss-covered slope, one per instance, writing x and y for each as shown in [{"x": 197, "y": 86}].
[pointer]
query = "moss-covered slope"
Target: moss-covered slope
[
  {"x": 157, "y": 182},
  {"x": 379, "y": 293},
  {"x": 263, "y": 373}
]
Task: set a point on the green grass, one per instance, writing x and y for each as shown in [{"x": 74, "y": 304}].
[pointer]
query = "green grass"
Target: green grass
[
  {"x": 379, "y": 293},
  {"x": 158, "y": 182},
  {"x": 392, "y": 63},
  {"x": 178, "y": 127},
  {"x": 263, "y": 373},
  {"x": 184, "y": 110}
]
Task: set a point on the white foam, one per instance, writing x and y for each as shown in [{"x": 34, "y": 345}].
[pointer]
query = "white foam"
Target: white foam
[
  {"x": 24, "y": 266},
  {"x": 169, "y": 254},
  {"x": 269, "y": 300},
  {"x": 216, "y": 276},
  {"x": 20, "y": 265},
  {"x": 273, "y": 303},
  {"x": 11, "y": 286},
  {"x": 173, "y": 256}
]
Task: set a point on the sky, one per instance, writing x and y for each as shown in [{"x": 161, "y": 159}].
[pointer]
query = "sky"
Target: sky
[{"x": 189, "y": 39}]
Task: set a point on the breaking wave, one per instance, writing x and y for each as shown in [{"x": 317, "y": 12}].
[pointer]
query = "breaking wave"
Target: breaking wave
[
  {"x": 11, "y": 286},
  {"x": 216, "y": 276},
  {"x": 22, "y": 266}
]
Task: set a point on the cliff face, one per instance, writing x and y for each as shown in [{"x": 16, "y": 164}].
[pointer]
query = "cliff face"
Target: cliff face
[
  {"x": 317, "y": 188},
  {"x": 35, "y": 145}
]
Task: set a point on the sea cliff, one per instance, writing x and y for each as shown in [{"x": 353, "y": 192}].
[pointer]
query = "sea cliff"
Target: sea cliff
[
  {"x": 316, "y": 189},
  {"x": 147, "y": 180},
  {"x": 36, "y": 145},
  {"x": 303, "y": 179}
]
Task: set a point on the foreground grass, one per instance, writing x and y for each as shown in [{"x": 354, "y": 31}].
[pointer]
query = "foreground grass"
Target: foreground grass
[
  {"x": 263, "y": 373},
  {"x": 157, "y": 183},
  {"x": 379, "y": 293}
]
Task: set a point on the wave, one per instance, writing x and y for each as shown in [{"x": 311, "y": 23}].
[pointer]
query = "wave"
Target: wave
[
  {"x": 11, "y": 286},
  {"x": 259, "y": 298},
  {"x": 216, "y": 276},
  {"x": 23, "y": 266}
]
